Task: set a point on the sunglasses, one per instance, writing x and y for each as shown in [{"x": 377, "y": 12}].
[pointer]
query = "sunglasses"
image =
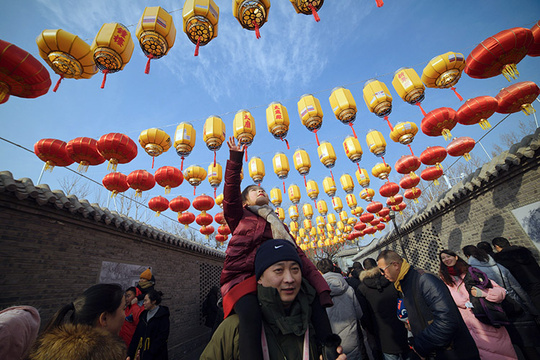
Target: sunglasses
[{"x": 384, "y": 268}]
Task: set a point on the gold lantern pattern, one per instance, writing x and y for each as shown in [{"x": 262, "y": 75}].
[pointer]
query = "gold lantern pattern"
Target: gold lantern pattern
[
  {"x": 311, "y": 114},
  {"x": 302, "y": 163},
  {"x": 376, "y": 143},
  {"x": 329, "y": 186},
  {"x": 337, "y": 204},
  {"x": 409, "y": 87},
  {"x": 294, "y": 193},
  {"x": 308, "y": 7},
  {"x": 312, "y": 190},
  {"x": 200, "y": 21},
  {"x": 381, "y": 171},
  {"x": 184, "y": 140},
  {"x": 214, "y": 133},
  {"x": 362, "y": 177},
  {"x": 195, "y": 175},
  {"x": 276, "y": 197},
  {"x": 307, "y": 210},
  {"x": 251, "y": 14},
  {"x": 256, "y": 170},
  {"x": 277, "y": 120},
  {"x": 444, "y": 71},
  {"x": 327, "y": 155},
  {"x": 344, "y": 106},
  {"x": 244, "y": 128},
  {"x": 378, "y": 99},
  {"x": 367, "y": 194},
  {"x": 404, "y": 132},
  {"x": 322, "y": 207},
  {"x": 293, "y": 213},
  {"x": 347, "y": 183},
  {"x": 156, "y": 33},
  {"x": 215, "y": 176},
  {"x": 281, "y": 166},
  {"x": 350, "y": 199},
  {"x": 155, "y": 142},
  {"x": 352, "y": 149},
  {"x": 280, "y": 213}
]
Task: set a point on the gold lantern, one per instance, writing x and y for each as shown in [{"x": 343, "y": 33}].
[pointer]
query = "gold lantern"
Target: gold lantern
[
  {"x": 321, "y": 223},
  {"x": 194, "y": 175},
  {"x": 155, "y": 142},
  {"x": 280, "y": 213},
  {"x": 381, "y": 171},
  {"x": 307, "y": 210},
  {"x": 376, "y": 143},
  {"x": 312, "y": 189},
  {"x": 184, "y": 140},
  {"x": 343, "y": 105},
  {"x": 332, "y": 219},
  {"x": 277, "y": 119},
  {"x": 214, "y": 133},
  {"x": 293, "y": 226},
  {"x": 330, "y": 229},
  {"x": 219, "y": 200},
  {"x": 301, "y": 162},
  {"x": 276, "y": 197},
  {"x": 156, "y": 33},
  {"x": 409, "y": 86},
  {"x": 340, "y": 226},
  {"x": 350, "y": 199},
  {"x": 377, "y": 98},
  {"x": 352, "y": 148},
  {"x": 308, "y": 225},
  {"x": 347, "y": 183},
  {"x": 244, "y": 127},
  {"x": 348, "y": 229},
  {"x": 251, "y": 14},
  {"x": 351, "y": 221},
  {"x": 327, "y": 155},
  {"x": 357, "y": 211},
  {"x": 301, "y": 232},
  {"x": 404, "y": 132},
  {"x": 293, "y": 212},
  {"x": 367, "y": 194},
  {"x": 444, "y": 71},
  {"x": 329, "y": 186},
  {"x": 256, "y": 169},
  {"x": 322, "y": 207},
  {"x": 362, "y": 177},
  {"x": 294, "y": 193},
  {"x": 337, "y": 204},
  {"x": 281, "y": 165},
  {"x": 200, "y": 21},
  {"x": 343, "y": 216},
  {"x": 308, "y": 7},
  {"x": 310, "y": 111},
  {"x": 215, "y": 175}
]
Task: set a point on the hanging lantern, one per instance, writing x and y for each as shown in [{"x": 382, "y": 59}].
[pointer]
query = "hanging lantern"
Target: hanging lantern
[
  {"x": 439, "y": 122},
  {"x": 376, "y": 221},
  {"x": 200, "y": 21},
  {"x": 374, "y": 207},
  {"x": 476, "y": 111},
  {"x": 83, "y": 150},
  {"x": 322, "y": 207},
  {"x": 461, "y": 146},
  {"x": 389, "y": 189},
  {"x": 378, "y": 99},
  {"x": 357, "y": 211},
  {"x": 275, "y": 197},
  {"x": 499, "y": 53},
  {"x": 281, "y": 166},
  {"x": 195, "y": 176},
  {"x": 380, "y": 227},
  {"x": 244, "y": 128},
  {"x": 112, "y": 49},
  {"x": 343, "y": 216},
  {"x": 155, "y": 142},
  {"x": 399, "y": 207},
  {"x": 381, "y": 171},
  {"x": 329, "y": 186},
  {"x": 321, "y": 222},
  {"x": 308, "y": 7},
  {"x": 307, "y": 210},
  {"x": 337, "y": 204},
  {"x": 362, "y": 177},
  {"x": 343, "y": 105},
  {"x": 444, "y": 71},
  {"x": 332, "y": 219},
  {"x": 214, "y": 134},
  {"x": 431, "y": 173},
  {"x": 293, "y": 226},
  {"x": 277, "y": 120},
  {"x": 350, "y": 199},
  {"x": 141, "y": 180},
  {"x": 327, "y": 155},
  {"x": 312, "y": 190},
  {"x": 398, "y": 198},
  {"x": 352, "y": 148},
  {"x": 220, "y": 219},
  {"x": 203, "y": 203},
  {"x": 308, "y": 225},
  {"x": 367, "y": 194},
  {"x": 359, "y": 226},
  {"x": 433, "y": 155},
  {"x": 67, "y": 54},
  {"x": 156, "y": 33},
  {"x": 204, "y": 219},
  {"x": 186, "y": 218},
  {"x": 366, "y": 218},
  {"x": 407, "y": 164},
  {"x": 519, "y": 96},
  {"x": 224, "y": 230},
  {"x": 413, "y": 194},
  {"x": 301, "y": 162},
  {"x": 384, "y": 212},
  {"x": 116, "y": 183},
  {"x": 311, "y": 114},
  {"x": 409, "y": 86},
  {"x": 404, "y": 132},
  {"x": 534, "y": 48},
  {"x": 293, "y": 213},
  {"x": 168, "y": 177},
  {"x": 294, "y": 193},
  {"x": 215, "y": 175},
  {"x": 408, "y": 182},
  {"x": 180, "y": 204},
  {"x": 219, "y": 200},
  {"x": 117, "y": 148},
  {"x": 21, "y": 74},
  {"x": 376, "y": 143},
  {"x": 221, "y": 238},
  {"x": 251, "y": 14},
  {"x": 158, "y": 204},
  {"x": 184, "y": 140},
  {"x": 347, "y": 183},
  {"x": 280, "y": 213},
  {"x": 207, "y": 230},
  {"x": 256, "y": 170}
]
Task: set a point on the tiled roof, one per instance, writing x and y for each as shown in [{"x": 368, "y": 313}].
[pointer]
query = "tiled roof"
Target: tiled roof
[{"x": 24, "y": 189}]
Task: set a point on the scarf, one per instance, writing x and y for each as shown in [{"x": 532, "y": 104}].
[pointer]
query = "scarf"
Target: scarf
[
  {"x": 453, "y": 271},
  {"x": 278, "y": 230},
  {"x": 404, "y": 270},
  {"x": 145, "y": 284}
]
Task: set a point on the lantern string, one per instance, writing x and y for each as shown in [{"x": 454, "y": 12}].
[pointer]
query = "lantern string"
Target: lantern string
[
  {"x": 147, "y": 68},
  {"x": 215, "y": 190},
  {"x": 153, "y": 158},
  {"x": 420, "y": 106},
  {"x": 352, "y": 128},
  {"x": 410, "y": 148},
  {"x": 105, "y": 72},
  {"x": 182, "y": 164},
  {"x": 316, "y": 137},
  {"x": 58, "y": 83},
  {"x": 214, "y": 158},
  {"x": 332, "y": 175},
  {"x": 194, "y": 190},
  {"x": 245, "y": 149},
  {"x": 197, "y": 47},
  {"x": 380, "y": 3},
  {"x": 314, "y": 12},
  {"x": 305, "y": 182},
  {"x": 389, "y": 123},
  {"x": 457, "y": 94},
  {"x": 257, "y": 32},
  {"x": 284, "y": 187},
  {"x": 286, "y": 142}
]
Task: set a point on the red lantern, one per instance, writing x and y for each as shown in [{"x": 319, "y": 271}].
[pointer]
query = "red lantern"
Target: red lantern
[
  {"x": 431, "y": 174},
  {"x": 399, "y": 207},
  {"x": 413, "y": 194},
  {"x": 477, "y": 110},
  {"x": 53, "y": 152},
  {"x": 204, "y": 219},
  {"x": 374, "y": 207},
  {"x": 408, "y": 164},
  {"x": 221, "y": 238},
  {"x": 408, "y": 182},
  {"x": 534, "y": 49},
  {"x": 380, "y": 226},
  {"x": 141, "y": 180},
  {"x": 386, "y": 219},
  {"x": 359, "y": 226},
  {"x": 220, "y": 219},
  {"x": 115, "y": 182},
  {"x": 158, "y": 204},
  {"x": 517, "y": 97},
  {"x": 179, "y": 204},
  {"x": 186, "y": 218},
  {"x": 367, "y": 217},
  {"x": 117, "y": 148},
  {"x": 389, "y": 189},
  {"x": 384, "y": 211},
  {"x": 397, "y": 199},
  {"x": 83, "y": 150},
  {"x": 370, "y": 230},
  {"x": 224, "y": 230},
  {"x": 203, "y": 203},
  {"x": 433, "y": 155},
  {"x": 168, "y": 177},
  {"x": 499, "y": 54},
  {"x": 439, "y": 122},
  {"x": 207, "y": 230},
  {"x": 461, "y": 146},
  {"x": 375, "y": 222}
]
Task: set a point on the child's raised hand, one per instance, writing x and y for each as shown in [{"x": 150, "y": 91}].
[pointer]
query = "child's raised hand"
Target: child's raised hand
[{"x": 232, "y": 144}]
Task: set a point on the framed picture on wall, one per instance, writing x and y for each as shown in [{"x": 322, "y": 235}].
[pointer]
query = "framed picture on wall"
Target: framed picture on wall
[
  {"x": 528, "y": 217},
  {"x": 125, "y": 275}
]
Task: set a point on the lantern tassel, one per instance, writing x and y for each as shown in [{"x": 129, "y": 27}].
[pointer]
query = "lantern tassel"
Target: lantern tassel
[
  {"x": 332, "y": 175},
  {"x": 147, "y": 68},
  {"x": 58, "y": 83},
  {"x": 245, "y": 149},
  {"x": 410, "y": 148},
  {"x": 257, "y": 32},
  {"x": 182, "y": 164},
  {"x": 197, "y": 47},
  {"x": 153, "y": 158},
  {"x": 194, "y": 190},
  {"x": 105, "y": 72},
  {"x": 314, "y": 12},
  {"x": 305, "y": 181},
  {"x": 380, "y": 3},
  {"x": 389, "y": 124},
  {"x": 484, "y": 124},
  {"x": 457, "y": 94},
  {"x": 446, "y": 134},
  {"x": 316, "y": 137},
  {"x": 352, "y": 128},
  {"x": 510, "y": 71},
  {"x": 384, "y": 161},
  {"x": 358, "y": 165},
  {"x": 214, "y": 158},
  {"x": 284, "y": 187},
  {"x": 215, "y": 189},
  {"x": 286, "y": 142},
  {"x": 420, "y": 106}
]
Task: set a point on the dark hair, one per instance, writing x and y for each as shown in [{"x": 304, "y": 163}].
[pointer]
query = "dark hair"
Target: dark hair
[
  {"x": 133, "y": 289},
  {"x": 86, "y": 309},
  {"x": 155, "y": 295},
  {"x": 484, "y": 245},
  {"x": 357, "y": 265},
  {"x": 478, "y": 254},
  {"x": 390, "y": 256},
  {"x": 325, "y": 265},
  {"x": 246, "y": 191},
  {"x": 461, "y": 266},
  {"x": 370, "y": 263},
  {"x": 355, "y": 273},
  {"x": 500, "y": 242}
]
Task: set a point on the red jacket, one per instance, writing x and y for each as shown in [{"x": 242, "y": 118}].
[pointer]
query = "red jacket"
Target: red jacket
[
  {"x": 247, "y": 231},
  {"x": 132, "y": 313}
]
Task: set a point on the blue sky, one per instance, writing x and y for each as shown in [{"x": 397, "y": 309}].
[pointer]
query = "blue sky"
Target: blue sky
[{"x": 354, "y": 42}]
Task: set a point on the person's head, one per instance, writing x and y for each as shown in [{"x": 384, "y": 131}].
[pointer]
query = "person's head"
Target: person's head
[
  {"x": 355, "y": 273},
  {"x": 369, "y": 263},
  {"x": 325, "y": 266},
  {"x": 254, "y": 195},
  {"x": 19, "y": 326},
  {"x": 484, "y": 245},
  {"x": 357, "y": 265},
  {"x": 101, "y": 305},
  {"x": 451, "y": 264},
  {"x": 500, "y": 243},
  {"x": 478, "y": 254},
  {"x": 146, "y": 279},
  {"x": 389, "y": 263},
  {"x": 278, "y": 265},
  {"x": 131, "y": 292},
  {"x": 152, "y": 299}
]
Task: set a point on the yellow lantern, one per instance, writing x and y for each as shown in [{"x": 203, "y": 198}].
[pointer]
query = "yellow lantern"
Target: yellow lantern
[
  {"x": 200, "y": 21},
  {"x": 184, "y": 140},
  {"x": 276, "y": 197},
  {"x": 244, "y": 128},
  {"x": 348, "y": 229},
  {"x": 322, "y": 207},
  {"x": 350, "y": 199},
  {"x": 67, "y": 55},
  {"x": 347, "y": 183},
  {"x": 214, "y": 133},
  {"x": 308, "y": 7},
  {"x": 377, "y": 98},
  {"x": 194, "y": 175},
  {"x": 329, "y": 228},
  {"x": 294, "y": 193},
  {"x": 112, "y": 48},
  {"x": 156, "y": 33},
  {"x": 337, "y": 204},
  {"x": 340, "y": 226},
  {"x": 343, "y": 216},
  {"x": 343, "y": 105},
  {"x": 307, "y": 225},
  {"x": 155, "y": 142},
  {"x": 215, "y": 175},
  {"x": 281, "y": 165},
  {"x": 332, "y": 219},
  {"x": 444, "y": 71},
  {"x": 277, "y": 119},
  {"x": 320, "y": 229},
  {"x": 409, "y": 86},
  {"x": 301, "y": 162},
  {"x": 376, "y": 143},
  {"x": 293, "y": 213},
  {"x": 312, "y": 189},
  {"x": 307, "y": 210},
  {"x": 327, "y": 155},
  {"x": 280, "y": 213},
  {"x": 352, "y": 148},
  {"x": 362, "y": 177},
  {"x": 310, "y": 111},
  {"x": 312, "y": 231},
  {"x": 357, "y": 211},
  {"x": 329, "y": 186},
  {"x": 351, "y": 221},
  {"x": 251, "y": 14},
  {"x": 404, "y": 132},
  {"x": 256, "y": 169},
  {"x": 381, "y": 171},
  {"x": 293, "y": 226},
  {"x": 219, "y": 200},
  {"x": 367, "y": 194}
]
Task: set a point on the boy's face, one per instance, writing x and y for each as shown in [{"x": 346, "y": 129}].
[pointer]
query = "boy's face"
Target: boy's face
[{"x": 256, "y": 196}]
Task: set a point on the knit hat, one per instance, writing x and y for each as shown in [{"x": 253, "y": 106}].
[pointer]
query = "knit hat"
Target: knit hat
[
  {"x": 146, "y": 274},
  {"x": 273, "y": 251}
]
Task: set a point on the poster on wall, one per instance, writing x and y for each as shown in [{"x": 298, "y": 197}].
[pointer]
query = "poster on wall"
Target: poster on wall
[
  {"x": 528, "y": 217},
  {"x": 125, "y": 275}
]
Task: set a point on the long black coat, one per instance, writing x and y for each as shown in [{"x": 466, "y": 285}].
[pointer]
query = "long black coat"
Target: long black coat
[{"x": 151, "y": 336}]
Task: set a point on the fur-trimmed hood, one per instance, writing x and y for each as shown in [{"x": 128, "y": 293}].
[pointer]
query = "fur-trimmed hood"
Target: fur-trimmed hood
[
  {"x": 373, "y": 278},
  {"x": 78, "y": 342},
  {"x": 371, "y": 273}
]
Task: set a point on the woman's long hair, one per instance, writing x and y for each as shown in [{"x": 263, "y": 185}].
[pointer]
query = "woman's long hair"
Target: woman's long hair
[
  {"x": 461, "y": 267},
  {"x": 478, "y": 254}
]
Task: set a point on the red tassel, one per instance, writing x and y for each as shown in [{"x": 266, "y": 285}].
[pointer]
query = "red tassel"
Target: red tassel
[
  {"x": 332, "y": 174},
  {"x": 105, "y": 72},
  {"x": 350, "y": 124},
  {"x": 215, "y": 189},
  {"x": 316, "y": 137},
  {"x": 384, "y": 161},
  {"x": 182, "y": 164},
  {"x": 257, "y": 32},
  {"x": 245, "y": 149},
  {"x": 389, "y": 124},
  {"x": 314, "y": 12},
  {"x": 147, "y": 68},
  {"x": 458, "y": 96},
  {"x": 194, "y": 190},
  {"x": 153, "y": 158},
  {"x": 58, "y": 83},
  {"x": 197, "y": 47},
  {"x": 420, "y": 106},
  {"x": 284, "y": 187},
  {"x": 286, "y": 142},
  {"x": 305, "y": 182},
  {"x": 410, "y": 148},
  {"x": 214, "y": 158},
  {"x": 358, "y": 165},
  {"x": 380, "y": 3}
]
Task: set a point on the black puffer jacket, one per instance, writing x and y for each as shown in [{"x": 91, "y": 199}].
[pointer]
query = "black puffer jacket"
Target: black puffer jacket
[
  {"x": 437, "y": 325},
  {"x": 151, "y": 336}
]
